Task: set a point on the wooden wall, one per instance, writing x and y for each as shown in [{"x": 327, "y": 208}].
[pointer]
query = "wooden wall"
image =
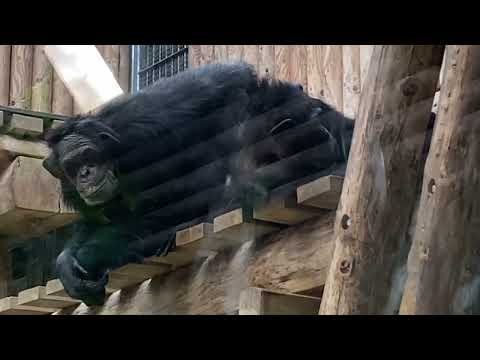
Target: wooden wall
[
  {"x": 27, "y": 79},
  {"x": 334, "y": 73}
]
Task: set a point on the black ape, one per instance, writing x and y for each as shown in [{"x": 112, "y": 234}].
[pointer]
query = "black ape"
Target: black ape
[{"x": 152, "y": 160}]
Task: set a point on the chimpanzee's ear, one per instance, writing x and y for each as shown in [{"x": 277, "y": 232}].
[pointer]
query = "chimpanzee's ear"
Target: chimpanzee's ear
[{"x": 51, "y": 165}]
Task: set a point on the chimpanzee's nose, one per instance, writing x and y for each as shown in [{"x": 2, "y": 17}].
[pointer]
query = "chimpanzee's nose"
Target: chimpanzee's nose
[{"x": 85, "y": 172}]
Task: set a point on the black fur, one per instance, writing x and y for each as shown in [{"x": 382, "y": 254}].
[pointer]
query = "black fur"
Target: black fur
[{"x": 135, "y": 130}]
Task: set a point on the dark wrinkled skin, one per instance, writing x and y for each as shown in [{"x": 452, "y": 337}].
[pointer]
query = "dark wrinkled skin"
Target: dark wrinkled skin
[{"x": 88, "y": 157}]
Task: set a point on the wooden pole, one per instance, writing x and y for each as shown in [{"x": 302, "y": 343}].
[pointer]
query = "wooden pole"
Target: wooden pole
[
  {"x": 124, "y": 68},
  {"x": 21, "y": 76},
  {"x": 443, "y": 269},
  {"x": 42, "y": 81},
  {"x": 5, "y": 53},
  {"x": 379, "y": 190}
]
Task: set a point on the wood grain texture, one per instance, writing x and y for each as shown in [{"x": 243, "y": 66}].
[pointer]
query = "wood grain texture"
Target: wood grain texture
[
  {"x": 21, "y": 76},
  {"x": 124, "y": 67},
  {"x": 371, "y": 231},
  {"x": 236, "y": 52},
  {"x": 332, "y": 69},
  {"x": 298, "y": 65},
  {"x": 293, "y": 260},
  {"x": 221, "y": 53},
  {"x": 250, "y": 55},
  {"x": 62, "y": 101},
  {"x": 351, "y": 79},
  {"x": 444, "y": 263},
  {"x": 111, "y": 55},
  {"x": 42, "y": 81},
  {"x": 282, "y": 61},
  {"x": 365, "y": 58},
  {"x": 315, "y": 76},
  {"x": 5, "y": 55},
  {"x": 266, "y": 61}
]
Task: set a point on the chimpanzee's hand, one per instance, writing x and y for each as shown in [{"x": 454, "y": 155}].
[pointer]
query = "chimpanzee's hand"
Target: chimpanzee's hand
[{"x": 76, "y": 282}]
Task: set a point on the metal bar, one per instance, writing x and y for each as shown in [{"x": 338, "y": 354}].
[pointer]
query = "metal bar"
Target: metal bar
[
  {"x": 37, "y": 114},
  {"x": 164, "y": 60}
]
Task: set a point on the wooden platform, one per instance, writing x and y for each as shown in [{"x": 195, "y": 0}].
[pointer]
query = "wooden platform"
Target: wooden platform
[{"x": 193, "y": 243}]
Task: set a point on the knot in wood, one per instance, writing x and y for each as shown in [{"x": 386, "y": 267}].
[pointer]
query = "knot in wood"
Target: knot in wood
[
  {"x": 409, "y": 87},
  {"x": 345, "y": 267}
]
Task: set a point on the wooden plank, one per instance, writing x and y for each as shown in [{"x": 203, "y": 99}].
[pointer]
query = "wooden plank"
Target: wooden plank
[
  {"x": 282, "y": 62},
  {"x": 236, "y": 52},
  {"x": 257, "y": 301},
  {"x": 21, "y": 125},
  {"x": 207, "y": 55},
  {"x": 21, "y": 76},
  {"x": 332, "y": 69},
  {"x": 42, "y": 81},
  {"x": 30, "y": 200},
  {"x": 238, "y": 226},
  {"x": 323, "y": 193},
  {"x": 266, "y": 61},
  {"x": 38, "y": 297},
  {"x": 5, "y": 55},
  {"x": 221, "y": 53},
  {"x": 443, "y": 265},
  {"x": 194, "y": 55},
  {"x": 62, "y": 101},
  {"x": 284, "y": 210},
  {"x": 351, "y": 79},
  {"x": 111, "y": 55},
  {"x": 373, "y": 218},
  {"x": 315, "y": 75},
  {"x": 35, "y": 149},
  {"x": 298, "y": 66},
  {"x": 10, "y": 306},
  {"x": 124, "y": 67},
  {"x": 294, "y": 260},
  {"x": 250, "y": 55}
]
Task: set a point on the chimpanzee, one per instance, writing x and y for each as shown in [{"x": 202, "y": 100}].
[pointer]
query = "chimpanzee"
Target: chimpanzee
[{"x": 139, "y": 143}]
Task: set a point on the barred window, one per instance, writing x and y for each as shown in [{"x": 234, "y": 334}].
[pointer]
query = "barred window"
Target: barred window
[{"x": 152, "y": 62}]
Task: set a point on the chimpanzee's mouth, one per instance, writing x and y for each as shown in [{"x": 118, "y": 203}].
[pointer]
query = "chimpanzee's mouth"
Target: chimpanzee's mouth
[{"x": 103, "y": 192}]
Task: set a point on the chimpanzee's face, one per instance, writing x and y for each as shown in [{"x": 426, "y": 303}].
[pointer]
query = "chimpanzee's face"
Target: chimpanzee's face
[{"x": 79, "y": 160}]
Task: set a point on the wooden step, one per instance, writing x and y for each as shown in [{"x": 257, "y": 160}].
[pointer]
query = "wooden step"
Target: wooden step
[
  {"x": 133, "y": 274},
  {"x": 38, "y": 297},
  {"x": 10, "y": 306},
  {"x": 323, "y": 193},
  {"x": 257, "y": 301}
]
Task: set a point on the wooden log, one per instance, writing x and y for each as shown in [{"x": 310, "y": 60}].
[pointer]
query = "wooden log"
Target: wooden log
[
  {"x": 257, "y": 301},
  {"x": 290, "y": 261},
  {"x": 298, "y": 66},
  {"x": 239, "y": 226},
  {"x": 365, "y": 58},
  {"x": 30, "y": 200},
  {"x": 111, "y": 55},
  {"x": 282, "y": 61},
  {"x": 133, "y": 274},
  {"x": 323, "y": 193},
  {"x": 332, "y": 70},
  {"x": 443, "y": 265},
  {"x": 351, "y": 79},
  {"x": 221, "y": 53},
  {"x": 34, "y": 149},
  {"x": 21, "y": 125},
  {"x": 42, "y": 81},
  {"x": 374, "y": 213},
  {"x": 315, "y": 75},
  {"x": 124, "y": 67},
  {"x": 266, "y": 61},
  {"x": 21, "y": 76},
  {"x": 5, "y": 55},
  {"x": 10, "y": 306},
  {"x": 38, "y": 297},
  {"x": 62, "y": 101}
]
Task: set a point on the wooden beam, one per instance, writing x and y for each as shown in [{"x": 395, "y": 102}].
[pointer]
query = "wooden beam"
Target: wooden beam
[
  {"x": 124, "y": 68},
  {"x": 239, "y": 226},
  {"x": 257, "y": 301},
  {"x": 266, "y": 61},
  {"x": 62, "y": 101},
  {"x": 351, "y": 79},
  {"x": 30, "y": 200},
  {"x": 315, "y": 78},
  {"x": 5, "y": 55},
  {"x": 294, "y": 260},
  {"x": 38, "y": 297},
  {"x": 323, "y": 193},
  {"x": 21, "y": 125},
  {"x": 10, "y": 306},
  {"x": 443, "y": 265},
  {"x": 133, "y": 274},
  {"x": 17, "y": 147},
  {"x": 21, "y": 76},
  {"x": 379, "y": 192},
  {"x": 332, "y": 72}
]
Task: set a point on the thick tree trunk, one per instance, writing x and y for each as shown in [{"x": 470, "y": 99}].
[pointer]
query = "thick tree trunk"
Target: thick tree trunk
[
  {"x": 379, "y": 192},
  {"x": 444, "y": 263}
]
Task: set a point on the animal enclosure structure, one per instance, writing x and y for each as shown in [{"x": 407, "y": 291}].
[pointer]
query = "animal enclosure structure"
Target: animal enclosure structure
[{"x": 330, "y": 244}]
